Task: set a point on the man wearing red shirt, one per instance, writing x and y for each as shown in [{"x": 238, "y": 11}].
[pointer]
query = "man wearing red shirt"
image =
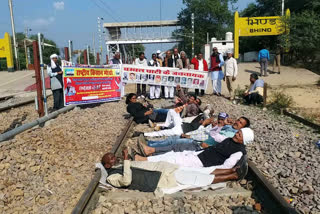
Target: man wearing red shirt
[
  {"x": 216, "y": 71},
  {"x": 201, "y": 65}
]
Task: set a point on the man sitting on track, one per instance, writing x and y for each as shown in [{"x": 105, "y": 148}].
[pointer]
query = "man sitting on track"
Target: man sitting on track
[
  {"x": 211, "y": 156},
  {"x": 147, "y": 176}
]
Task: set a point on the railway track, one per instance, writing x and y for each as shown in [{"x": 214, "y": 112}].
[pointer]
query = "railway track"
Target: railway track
[{"x": 263, "y": 191}]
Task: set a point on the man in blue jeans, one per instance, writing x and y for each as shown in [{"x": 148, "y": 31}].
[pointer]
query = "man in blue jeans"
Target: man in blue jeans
[
  {"x": 187, "y": 144},
  {"x": 263, "y": 59}
]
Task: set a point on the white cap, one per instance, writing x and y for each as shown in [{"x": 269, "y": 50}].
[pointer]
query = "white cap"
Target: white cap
[
  {"x": 53, "y": 56},
  {"x": 229, "y": 51},
  {"x": 158, "y": 51},
  {"x": 248, "y": 135}
]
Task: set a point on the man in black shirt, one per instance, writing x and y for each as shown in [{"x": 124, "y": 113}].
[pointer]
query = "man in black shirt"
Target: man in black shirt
[{"x": 211, "y": 156}]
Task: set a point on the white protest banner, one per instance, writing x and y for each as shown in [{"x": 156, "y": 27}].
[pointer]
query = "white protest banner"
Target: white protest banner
[{"x": 164, "y": 76}]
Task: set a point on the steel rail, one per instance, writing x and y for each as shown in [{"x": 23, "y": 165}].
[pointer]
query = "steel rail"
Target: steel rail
[{"x": 87, "y": 195}]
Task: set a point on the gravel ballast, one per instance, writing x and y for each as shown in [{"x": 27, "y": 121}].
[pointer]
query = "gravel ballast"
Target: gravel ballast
[{"x": 45, "y": 170}]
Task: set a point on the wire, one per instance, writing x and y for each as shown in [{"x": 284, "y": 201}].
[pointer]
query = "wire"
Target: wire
[
  {"x": 107, "y": 12},
  {"x": 110, "y": 9}
]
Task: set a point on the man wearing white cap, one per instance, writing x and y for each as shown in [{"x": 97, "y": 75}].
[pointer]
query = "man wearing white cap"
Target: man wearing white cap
[
  {"x": 56, "y": 82},
  {"x": 211, "y": 156},
  {"x": 159, "y": 58},
  {"x": 230, "y": 72}
]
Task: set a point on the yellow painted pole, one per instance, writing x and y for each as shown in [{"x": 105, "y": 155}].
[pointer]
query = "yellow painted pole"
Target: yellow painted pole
[{"x": 236, "y": 35}]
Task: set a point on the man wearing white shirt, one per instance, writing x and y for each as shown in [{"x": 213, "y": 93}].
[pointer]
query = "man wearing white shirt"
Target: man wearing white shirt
[
  {"x": 230, "y": 73},
  {"x": 141, "y": 61}
]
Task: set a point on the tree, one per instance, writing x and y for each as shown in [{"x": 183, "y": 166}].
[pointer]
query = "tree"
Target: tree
[
  {"x": 210, "y": 16},
  {"x": 304, "y": 38},
  {"x": 46, "y": 52},
  {"x": 133, "y": 50}
]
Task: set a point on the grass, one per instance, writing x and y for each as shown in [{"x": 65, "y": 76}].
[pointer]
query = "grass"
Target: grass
[{"x": 280, "y": 100}]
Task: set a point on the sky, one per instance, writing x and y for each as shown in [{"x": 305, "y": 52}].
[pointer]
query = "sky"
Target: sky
[{"x": 76, "y": 20}]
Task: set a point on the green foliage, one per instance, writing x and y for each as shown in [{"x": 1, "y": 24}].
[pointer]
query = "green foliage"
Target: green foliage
[
  {"x": 303, "y": 39},
  {"x": 212, "y": 16},
  {"x": 133, "y": 50},
  {"x": 47, "y": 51},
  {"x": 280, "y": 100},
  {"x": 238, "y": 92}
]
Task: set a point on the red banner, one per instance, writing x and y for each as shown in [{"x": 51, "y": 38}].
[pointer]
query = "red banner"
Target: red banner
[{"x": 94, "y": 84}]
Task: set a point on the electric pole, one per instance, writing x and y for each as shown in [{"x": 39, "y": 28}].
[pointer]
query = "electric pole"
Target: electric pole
[
  {"x": 192, "y": 27},
  {"x": 15, "y": 46},
  {"x": 70, "y": 50},
  {"x": 26, "y": 31},
  {"x": 88, "y": 54},
  {"x": 94, "y": 51}
]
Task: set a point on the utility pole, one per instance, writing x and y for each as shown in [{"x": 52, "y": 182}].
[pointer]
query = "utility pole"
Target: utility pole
[
  {"x": 282, "y": 8},
  {"x": 88, "y": 54},
  {"x": 70, "y": 50},
  {"x": 192, "y": 27},
  {"x": 26, "y": 31},
  {"x": 94, "y": 51},
  {"x": 15, "y": 46},
  {"x": 100, "y": 33}
]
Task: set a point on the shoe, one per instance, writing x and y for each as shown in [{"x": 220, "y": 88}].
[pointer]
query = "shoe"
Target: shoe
[
  {"x": 242, "y": 169},
  {"x": 143, "y": 97},
  {"x": 219, "y": 94},
  {"x": 151, "y": 124},
  {"x": 279, "y": 72},
  {"x": 157, "y": 128},
  {"x": 139, "y": 97},
  {"x": 137, "y": 134}
]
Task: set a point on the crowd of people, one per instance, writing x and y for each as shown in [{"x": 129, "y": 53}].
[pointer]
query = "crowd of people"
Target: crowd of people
[
  {"x": 180, "y": 60},
  {"x": 197, "y": 148}
]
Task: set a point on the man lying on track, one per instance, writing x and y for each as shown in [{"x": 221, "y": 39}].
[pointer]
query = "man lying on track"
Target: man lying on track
[
  {"x": 211, "y": 156},
  {"x": 147, "y": 176},
  {"x": 206, "y": 136},
  {"x": 174, "y": 124}
]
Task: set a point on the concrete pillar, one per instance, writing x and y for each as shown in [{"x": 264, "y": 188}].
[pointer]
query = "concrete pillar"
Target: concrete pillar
[
  {"x": 66, "y": 53},
  {"x": 85, "y": 59}
]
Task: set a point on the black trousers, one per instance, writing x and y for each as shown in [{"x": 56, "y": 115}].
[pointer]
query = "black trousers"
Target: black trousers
[
  {"x": 58, "y": 99},
  {"x": 194, "y": 125},
  {"x": 143, "y": 86},
  {"x": 254, "y": 98},
  {"x": 197, "y": 92}
]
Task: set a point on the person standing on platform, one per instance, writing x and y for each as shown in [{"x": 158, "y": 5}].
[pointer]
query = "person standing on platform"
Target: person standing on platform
[
  {"x": 56, "y": 82},
  {"x": 175, "y": 57},
  {"x": 277, "y": 59},
  {"x": 230, "y": 73},
  {"x": 159, "y": 58},
  {"x": 169, "y": 62},
  {"x": 142, "y": 62},
  {"x": 116, "y": 59},
  {"x": 263, "y": 58},
  {"x": 154, "y": 89},
  {"x": 201, "y": 65},
  {"x": 216, "y": 72}
]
